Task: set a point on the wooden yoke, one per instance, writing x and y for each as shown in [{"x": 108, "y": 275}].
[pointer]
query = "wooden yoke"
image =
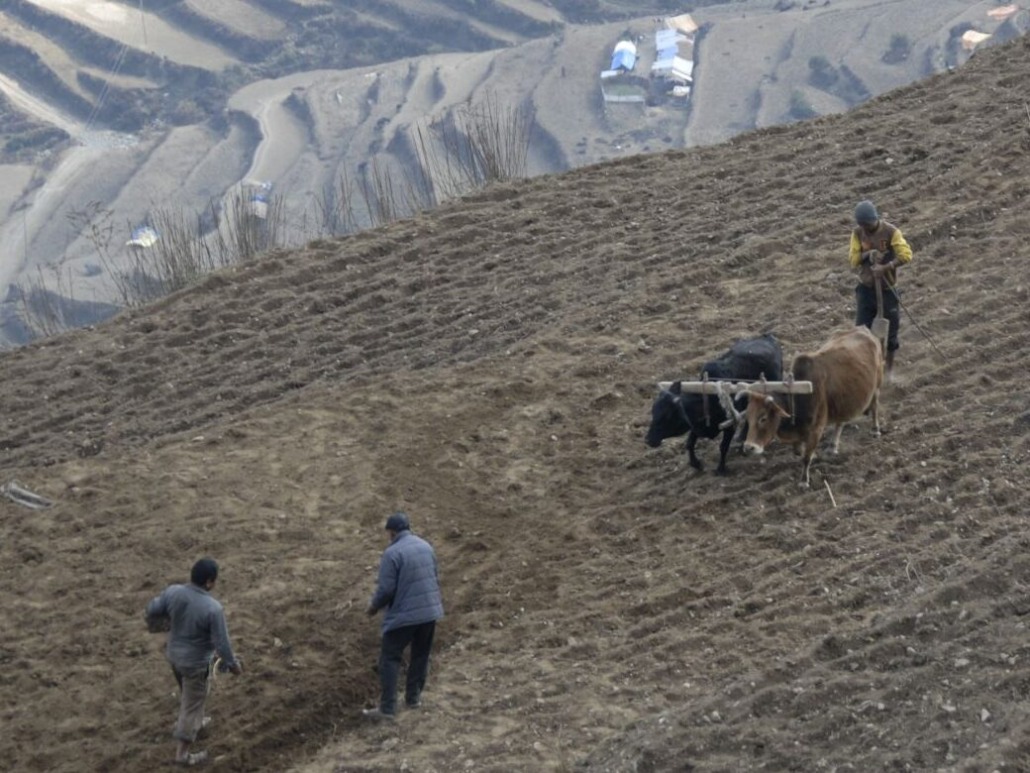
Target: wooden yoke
[
  {"x": 724, "y": 390},
  {"x": 736, "y": 387}
]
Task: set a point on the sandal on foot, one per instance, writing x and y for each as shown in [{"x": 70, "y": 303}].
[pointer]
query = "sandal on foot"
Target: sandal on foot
[{"x": 192, "y": 760}]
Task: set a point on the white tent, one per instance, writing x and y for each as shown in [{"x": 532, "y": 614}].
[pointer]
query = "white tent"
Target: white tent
[{"x": 972, "y": 39}]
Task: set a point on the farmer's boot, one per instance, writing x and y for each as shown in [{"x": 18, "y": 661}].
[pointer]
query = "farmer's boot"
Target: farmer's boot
[{"x": 890, "y": 367}]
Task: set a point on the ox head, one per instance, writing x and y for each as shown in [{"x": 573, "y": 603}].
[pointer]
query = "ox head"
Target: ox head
[
  {"x": 764, "y": 415},
  {"x": 668, "y": 416}
]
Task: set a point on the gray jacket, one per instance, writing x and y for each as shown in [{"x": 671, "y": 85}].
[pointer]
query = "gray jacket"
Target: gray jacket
[
  {"x": 198, "y": 628},
  {"x": 409, "y": 584}
]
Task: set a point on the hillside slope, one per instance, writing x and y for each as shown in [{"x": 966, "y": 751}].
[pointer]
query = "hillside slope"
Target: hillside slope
[{"x": 489, "y": 367}]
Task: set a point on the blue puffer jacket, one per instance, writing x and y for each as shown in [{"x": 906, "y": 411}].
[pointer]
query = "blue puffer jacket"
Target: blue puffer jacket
[{"x": 409, "y": 584}]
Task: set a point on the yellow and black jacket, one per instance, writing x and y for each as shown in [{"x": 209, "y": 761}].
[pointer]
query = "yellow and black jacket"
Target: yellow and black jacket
[{"x": 888, "y": 240}]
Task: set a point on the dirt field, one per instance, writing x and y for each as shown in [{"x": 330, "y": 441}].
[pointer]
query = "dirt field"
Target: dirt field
[{"x": 490, "y": 368}]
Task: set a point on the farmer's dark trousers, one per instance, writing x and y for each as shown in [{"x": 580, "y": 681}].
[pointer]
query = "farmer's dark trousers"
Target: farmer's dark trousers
[
  {"x": 420, "y": 637},
  {"x": 865, "y": 298}
]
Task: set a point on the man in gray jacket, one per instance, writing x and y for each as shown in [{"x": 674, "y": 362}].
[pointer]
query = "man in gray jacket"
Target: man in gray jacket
[
  {"x": 197, "y": 632},
  {"x": 409, "y": 590}
]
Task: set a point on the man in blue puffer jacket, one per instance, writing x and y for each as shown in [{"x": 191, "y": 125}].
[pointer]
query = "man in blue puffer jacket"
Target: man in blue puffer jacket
[{"x": 409, "y": 589}]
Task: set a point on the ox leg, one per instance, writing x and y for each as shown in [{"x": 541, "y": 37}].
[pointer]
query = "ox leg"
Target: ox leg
[
  {"x": 836, "y": 438},
  {"x": 809, "y": 446},
  {"x": 724, "y": 447},
  {"x": 742, "y": 435},
  {"x": 806, "y": 480},
  {"x": 691, "y": 442},
  {"x": 875, "y": 408}
]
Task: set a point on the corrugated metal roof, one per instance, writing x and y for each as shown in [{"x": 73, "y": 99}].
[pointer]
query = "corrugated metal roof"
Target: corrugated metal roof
[
  {"x": 666, "y": 38},
  {"x": 675, "y": 67}
]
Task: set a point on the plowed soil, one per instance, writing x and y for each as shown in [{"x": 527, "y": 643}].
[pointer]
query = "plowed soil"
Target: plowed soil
[{"x": 489, "y": 367}]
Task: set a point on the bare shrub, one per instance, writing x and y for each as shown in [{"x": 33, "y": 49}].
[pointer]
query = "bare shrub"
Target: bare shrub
[
  {"x": 384, "y": 197},
  {"x": 244, "y": 231},
  {"x": 334, "y": 209},
  {"x": 183, "y": 252},
  {"x": 46, "y": 306},
  {"x": 474, "y": 146},
  {"x": 178, "y": 258}
]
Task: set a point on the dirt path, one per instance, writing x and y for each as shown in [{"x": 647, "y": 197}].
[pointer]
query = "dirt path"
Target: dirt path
[
  {"x": 284, "y": 135},
  {"x": 38, "y": 107}
]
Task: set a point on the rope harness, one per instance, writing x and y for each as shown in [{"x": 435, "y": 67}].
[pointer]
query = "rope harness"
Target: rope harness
[
  {"x": 912, "y": 319},
  {"x": 704, "y": 399}
]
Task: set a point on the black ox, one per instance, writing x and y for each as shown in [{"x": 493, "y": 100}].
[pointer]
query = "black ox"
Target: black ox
[{"x": 675, "y": 413}]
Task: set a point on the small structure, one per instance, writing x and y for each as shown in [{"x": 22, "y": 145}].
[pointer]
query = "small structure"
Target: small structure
[
  {"x": 675, "y": 57},
  {"x": 618, "y": 84},
  {"x": 673, "y": 68},
  {"x": 142, "y": 237},
  {"x": 1003, "y": 12},
  {"x": 671, "y": 74},
  {"x": 683, "y": 23},
  {"x": 971, "y": 39},
  {"x": 624, "y": 57},
  {"x": 256, "y": 194}
]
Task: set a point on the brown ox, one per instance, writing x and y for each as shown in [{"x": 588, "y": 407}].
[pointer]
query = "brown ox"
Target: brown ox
[{"x": 846, "y": 373}]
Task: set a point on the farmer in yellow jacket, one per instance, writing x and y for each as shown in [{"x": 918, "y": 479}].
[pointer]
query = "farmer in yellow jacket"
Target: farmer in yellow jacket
[{"x": 877, "y": 249}]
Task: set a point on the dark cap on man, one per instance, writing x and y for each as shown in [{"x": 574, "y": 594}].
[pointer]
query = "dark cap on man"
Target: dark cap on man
[
  {"x": 204, "y": 570},
  {"x": 866, "y": 214},
  {"x": 398, "y": 522}
]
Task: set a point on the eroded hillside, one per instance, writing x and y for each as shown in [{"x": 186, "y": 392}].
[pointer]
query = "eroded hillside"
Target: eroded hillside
[
  {"x": 117, "y": 115},
  {"x": 187, "y": 56}
]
